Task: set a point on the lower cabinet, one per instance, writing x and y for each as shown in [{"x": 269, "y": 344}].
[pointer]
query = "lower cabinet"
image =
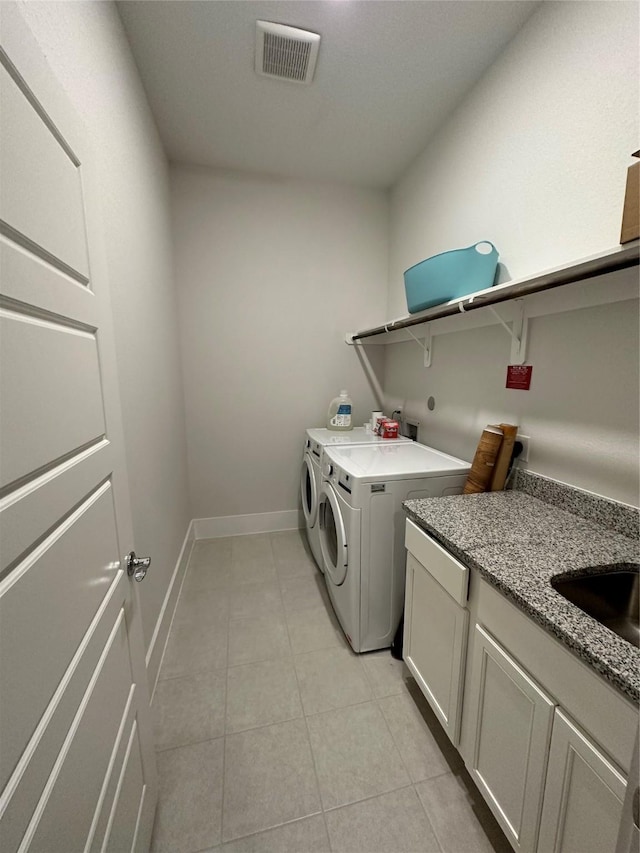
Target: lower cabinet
[
  {"x": 510, "y": 730},
  {"x": 434, "y": 644},
  {"x": 549, "y": 786},
  {"x": 537, "y": 727},
  {"x": 583, "y": 794},
  {"x": 435, "y": 626}
]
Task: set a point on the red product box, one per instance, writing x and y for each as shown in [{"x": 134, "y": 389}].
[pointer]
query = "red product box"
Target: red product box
[{"x": 389, "y": 429}]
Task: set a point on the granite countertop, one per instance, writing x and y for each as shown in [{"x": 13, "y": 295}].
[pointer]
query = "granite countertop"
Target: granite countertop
[{"x": 518, "y": 542}]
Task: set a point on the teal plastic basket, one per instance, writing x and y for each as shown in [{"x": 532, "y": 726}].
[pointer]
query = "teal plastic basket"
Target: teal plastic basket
[{"x": 450, "y": 275}]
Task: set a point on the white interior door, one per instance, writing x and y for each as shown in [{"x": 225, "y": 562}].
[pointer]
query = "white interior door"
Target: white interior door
[{"x": 77, "y": 766}]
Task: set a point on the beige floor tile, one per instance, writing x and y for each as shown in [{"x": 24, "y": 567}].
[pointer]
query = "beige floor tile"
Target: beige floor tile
[
  {"x": 302, "y": 593},
  {"x": 255, "y": 546},
  {"x": 252, "y": 574},
  {"x": 259, "y": 694},
  {"x": 460, "y": 818},
  {"x": 386, "y": 674},
  {"x": 355, "y": 755},
  {"x": 262, "y": 638},
  {"x": 331, "y": 678},
  {"x": 190, "y": 798},
  {"x": 207, "y": 577},
  {"x": 421, "y": 741},
  {"x": 211, "y": 552},
  {"x": 258, "y": 605},
  {"x": 252, "y": 560},
  {"x": 292, "y": 555},
  {"x": 308, "y": 835},
  {"x": 255, "y": 599},
  {"x": 391, "y": 823},
  {"x": 269, "y": 779},
  {"x": 195, "y": 646},
  {"x": 189, "y": 709},
  {"x": 314, "y": 628},
  {"x": 209, "y": 605},
  {"x": 209, "y": 565}
]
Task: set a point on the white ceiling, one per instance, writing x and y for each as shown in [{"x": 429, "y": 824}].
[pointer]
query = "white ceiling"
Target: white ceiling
[{"x": 388, "y": 73}]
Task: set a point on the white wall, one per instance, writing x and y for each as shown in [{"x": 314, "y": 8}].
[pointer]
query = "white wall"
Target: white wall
[
  {"x": 87, "y": 49},
  {"x": 534, "y": 159},
  {"x": 271, "y": 273}
]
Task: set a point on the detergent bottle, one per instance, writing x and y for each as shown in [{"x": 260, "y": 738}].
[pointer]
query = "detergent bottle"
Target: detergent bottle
[{"x": 339, "y": 416}]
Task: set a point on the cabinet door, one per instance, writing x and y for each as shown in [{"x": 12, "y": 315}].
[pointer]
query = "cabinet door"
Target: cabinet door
[
  {"x": 583, "y": 795},
  {"x": 510, "y": 733},
  {"x": 435, "y": 632}
]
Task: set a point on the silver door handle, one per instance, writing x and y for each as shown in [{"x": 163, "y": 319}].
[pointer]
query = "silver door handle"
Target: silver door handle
[{"x": 137, "y": 566}]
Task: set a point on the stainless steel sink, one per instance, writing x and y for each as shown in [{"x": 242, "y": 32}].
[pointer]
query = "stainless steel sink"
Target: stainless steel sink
[{"x": 611, "y": 596}]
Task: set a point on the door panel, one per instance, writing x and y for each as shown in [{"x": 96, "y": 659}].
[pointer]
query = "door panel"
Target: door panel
[
  {"x": 110, "y": 789},
  {"x": 30, "y": 281},
  {"x": 512, "y": 719},
  {"x": 75, "y": 728},
  {"x": 38, "y": 505},
  {"x": 583, "y": 794},
  {"x": 68, "y": 805},
  {"x": 35, "y": 167},
  {"x": 50, "y": 391},
  {"x": 35, "y": 594},
  {"x": 126, "y": 806},
  {"x": 435, "y": 636},
  {"x": 28, "y": 779}
]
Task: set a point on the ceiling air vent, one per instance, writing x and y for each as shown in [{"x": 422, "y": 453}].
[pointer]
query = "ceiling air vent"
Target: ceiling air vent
[{"x": 285, "y": 52}]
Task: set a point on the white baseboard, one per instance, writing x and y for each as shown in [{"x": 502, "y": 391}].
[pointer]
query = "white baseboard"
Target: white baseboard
[
  {"x": 161, "y": 631},
  {"x": 240, "y": 525}
]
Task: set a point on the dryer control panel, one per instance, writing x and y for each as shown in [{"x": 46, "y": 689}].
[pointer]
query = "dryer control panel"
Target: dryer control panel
[
  {"x": 344, "y": 481},
  {"x": 335, "y": 475}
]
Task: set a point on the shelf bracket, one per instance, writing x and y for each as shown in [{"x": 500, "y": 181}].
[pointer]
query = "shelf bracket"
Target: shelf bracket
[
  {"x": 426, "y": 346},
  {"x": 518, "y": 331}
]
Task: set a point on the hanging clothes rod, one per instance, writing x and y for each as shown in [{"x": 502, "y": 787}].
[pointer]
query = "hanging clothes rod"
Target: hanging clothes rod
[{"x": 619, "y": 258}]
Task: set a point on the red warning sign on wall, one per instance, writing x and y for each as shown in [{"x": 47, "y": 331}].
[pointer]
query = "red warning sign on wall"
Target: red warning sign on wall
[{"x": 519, "y": 376}]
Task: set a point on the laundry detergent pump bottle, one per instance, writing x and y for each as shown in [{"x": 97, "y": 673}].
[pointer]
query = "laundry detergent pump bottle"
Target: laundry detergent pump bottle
[{"x": 339, "y": 416}]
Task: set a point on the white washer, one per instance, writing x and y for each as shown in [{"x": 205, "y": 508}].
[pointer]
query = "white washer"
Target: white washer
[
  {"x": 361, "y": 527},
  {"x": 316, "y": 440}
]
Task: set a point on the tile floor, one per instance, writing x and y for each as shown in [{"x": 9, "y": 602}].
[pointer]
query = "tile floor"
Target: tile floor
[{"x": 272, "y": 735}]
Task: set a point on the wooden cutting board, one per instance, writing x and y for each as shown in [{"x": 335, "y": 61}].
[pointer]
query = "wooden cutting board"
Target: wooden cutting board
[
  {"x": 501, "y": 468},
  {"x": 484, "y": 461}
]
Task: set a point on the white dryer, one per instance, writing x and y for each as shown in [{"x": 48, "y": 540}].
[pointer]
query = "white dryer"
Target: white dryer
[
  {"x": 361, "y": 529},
  {"x": 316, "y": 440}
]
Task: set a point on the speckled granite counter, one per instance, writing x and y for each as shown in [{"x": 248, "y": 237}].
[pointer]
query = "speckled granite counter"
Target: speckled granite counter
[{"x": 518, "y": 542}]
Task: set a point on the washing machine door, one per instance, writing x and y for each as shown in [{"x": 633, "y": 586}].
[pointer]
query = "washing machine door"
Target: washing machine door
[
  {"x": 333, "y": 537},
  {"x": 308, "y": 491}
]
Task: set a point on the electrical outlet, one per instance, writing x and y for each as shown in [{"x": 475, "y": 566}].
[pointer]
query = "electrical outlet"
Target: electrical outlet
[{"x": 524, "y": 441}]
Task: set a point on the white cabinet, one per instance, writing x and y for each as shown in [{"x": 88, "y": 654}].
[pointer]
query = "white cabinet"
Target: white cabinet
[
  {"x": 545, "y": 738},
  {"x": 510, "y": 719},
  {"x": 583, "y": 795},
  {"x": 435, "y": 630},
  {"x": 435, "y": 626}
]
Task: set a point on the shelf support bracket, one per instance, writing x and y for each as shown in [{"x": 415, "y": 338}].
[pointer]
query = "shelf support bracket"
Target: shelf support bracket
[
  {"x": 426, "y": 346},
  {"x": 518, "y": 331}
]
